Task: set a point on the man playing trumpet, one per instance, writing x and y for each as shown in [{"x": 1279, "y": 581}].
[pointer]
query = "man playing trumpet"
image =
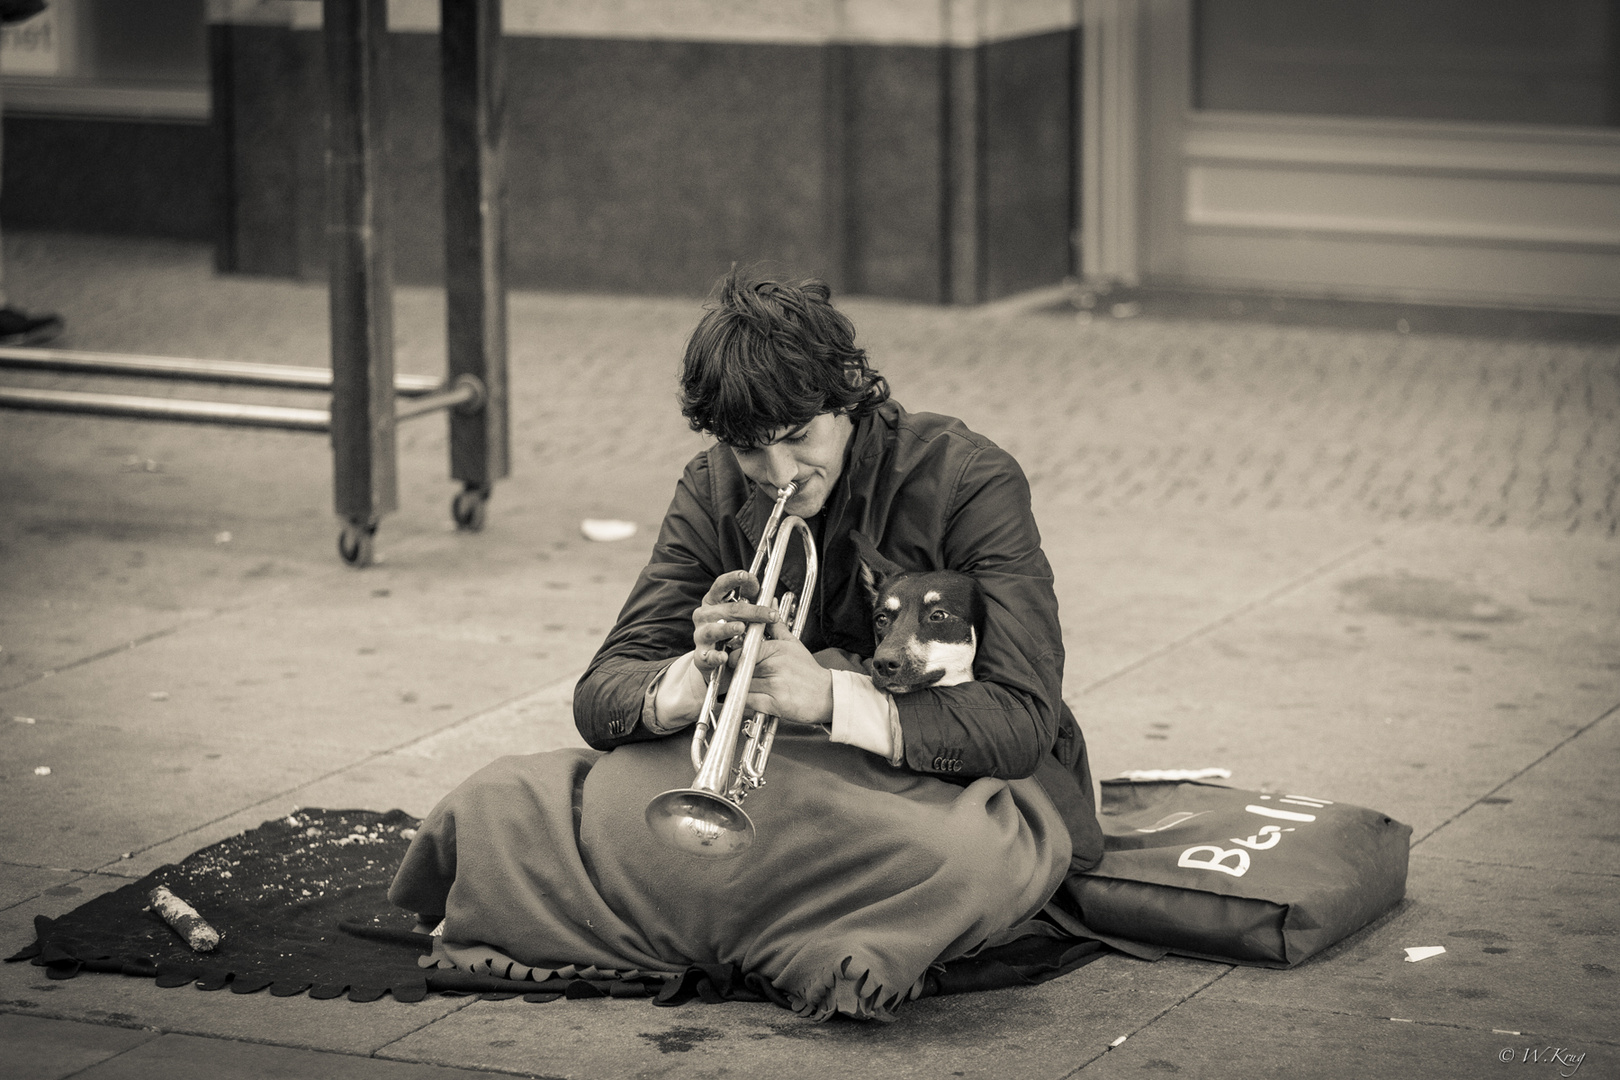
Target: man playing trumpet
[{"x": 895, "y": 832}]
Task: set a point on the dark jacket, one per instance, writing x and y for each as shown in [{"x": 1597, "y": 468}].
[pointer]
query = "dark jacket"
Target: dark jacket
[{"x": 931, "y": 494}]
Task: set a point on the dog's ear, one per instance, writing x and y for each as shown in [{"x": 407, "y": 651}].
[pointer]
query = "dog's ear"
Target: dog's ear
[{"x": 872, "y": 568}]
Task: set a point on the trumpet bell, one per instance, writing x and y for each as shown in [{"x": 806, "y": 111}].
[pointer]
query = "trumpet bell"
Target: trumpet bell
[{"x": 700, "y": 823}]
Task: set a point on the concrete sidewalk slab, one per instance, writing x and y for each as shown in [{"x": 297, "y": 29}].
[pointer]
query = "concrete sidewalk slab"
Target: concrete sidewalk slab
[
  {"x": 412, "y": 777},
  {"x": 40, "y": 1049},
  {"x": 334, "y": 1026},
  {"x": 69, "y": 595},
  {"x": 1218, "y": 1039},
  {"x": 1562, "y": 813},
  {"x": 185, "y": 1057},
  {"x": 1399, "y": 703},
  {"x": 27, "y": 882},
  {"x": 1519, "y": 949},
  {"x": 1131, "y": 583},
  {"x": 80, "y": 815},
  {"x": 1041, "y": 1032}
]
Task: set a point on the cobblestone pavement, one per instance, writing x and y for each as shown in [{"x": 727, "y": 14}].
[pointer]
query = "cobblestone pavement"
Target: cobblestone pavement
[
  {"x": 1136, "y": 412},
  {"x": 1140, "y": 413}
]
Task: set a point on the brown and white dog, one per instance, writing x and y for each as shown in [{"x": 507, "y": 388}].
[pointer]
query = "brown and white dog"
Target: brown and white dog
[{"x": 926, "y": 622}]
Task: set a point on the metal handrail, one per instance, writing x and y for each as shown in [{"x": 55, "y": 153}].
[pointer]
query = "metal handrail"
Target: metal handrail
[
  {"x": 236, "y": 372},
  {"x": 466, "y": 392},
  {"x": 155, "y": 408}
]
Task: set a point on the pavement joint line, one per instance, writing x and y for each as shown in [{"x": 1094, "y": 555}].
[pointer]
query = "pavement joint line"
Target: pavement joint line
[
  {"x": 407, "y": 541},
  {"x": 470, "y": 1001},
  {"x": 1237, "y": 613},
  {"x": 82, "y": 874},
  {"x": 113, "y": 1057},
  {"x": 1526, "y": 1033},
  {"x": 1577, "y": 733},
  {"x": 245, "y": 1040},
  {"x": 104, "y": 653},
  {"x": 483, "y": 1070},
  {"x": 1160, "y": 1015},
  {"x": 1453, "y": 1024},
  {"x": 1518, "y": 866},
  {"x": 366, "y": 760},
  {"x": 48, "y": 1014},
  {"x": 459, "y": 1007}
]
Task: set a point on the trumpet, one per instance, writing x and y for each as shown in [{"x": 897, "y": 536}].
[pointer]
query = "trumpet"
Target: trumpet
[{"x": 707, "y": 819}]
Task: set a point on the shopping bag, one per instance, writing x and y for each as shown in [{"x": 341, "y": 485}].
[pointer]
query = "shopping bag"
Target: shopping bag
[{"x": 1240, "y": 876}]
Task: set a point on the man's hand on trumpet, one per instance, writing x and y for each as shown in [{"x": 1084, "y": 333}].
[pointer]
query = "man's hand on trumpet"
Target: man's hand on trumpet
[
  {"x": 719, "y": 621},
  {"x": 788, "y": 682}
]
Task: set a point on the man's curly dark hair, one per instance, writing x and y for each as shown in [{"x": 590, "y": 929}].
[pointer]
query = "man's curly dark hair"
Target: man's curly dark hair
[{"x": 769, "y": 355}]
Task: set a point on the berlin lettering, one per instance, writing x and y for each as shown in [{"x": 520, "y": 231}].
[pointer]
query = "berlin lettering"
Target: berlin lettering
[{"x": 1235, "y": 861}]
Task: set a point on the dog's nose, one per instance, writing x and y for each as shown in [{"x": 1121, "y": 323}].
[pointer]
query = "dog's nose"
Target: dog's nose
[{"x": 882, "y": 666}]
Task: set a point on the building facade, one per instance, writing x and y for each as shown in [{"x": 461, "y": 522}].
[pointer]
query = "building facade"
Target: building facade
[{"x": 948, "y": 151}]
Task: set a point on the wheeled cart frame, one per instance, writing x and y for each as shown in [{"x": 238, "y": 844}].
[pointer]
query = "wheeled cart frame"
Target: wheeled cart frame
[{"x": 367, "y": 398}]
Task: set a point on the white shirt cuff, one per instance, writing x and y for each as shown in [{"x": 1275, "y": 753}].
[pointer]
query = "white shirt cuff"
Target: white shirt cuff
[
  {"x": 675, "y": 698},
  {"x": 865, "y": 716}
]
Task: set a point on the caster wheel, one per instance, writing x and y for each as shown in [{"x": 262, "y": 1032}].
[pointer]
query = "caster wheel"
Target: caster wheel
[
  {"x": 467, "y": 508},
  {"x": 355, "y": 545}
]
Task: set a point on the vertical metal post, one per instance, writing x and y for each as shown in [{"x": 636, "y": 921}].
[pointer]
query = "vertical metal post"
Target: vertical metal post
[
  {"x": 360, "y": 256},
  {"x": 474, "y": 105}
]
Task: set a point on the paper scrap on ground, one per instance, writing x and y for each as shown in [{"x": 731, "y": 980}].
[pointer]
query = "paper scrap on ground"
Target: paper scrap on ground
[
  {"x": 1423, "y": 952},
  {"x": 606, "y": 529},
  {"x": 1143, "y": 775}
]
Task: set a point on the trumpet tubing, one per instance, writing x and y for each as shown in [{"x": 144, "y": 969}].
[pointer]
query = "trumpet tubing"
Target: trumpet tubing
[{"x": 729, "y": 753}]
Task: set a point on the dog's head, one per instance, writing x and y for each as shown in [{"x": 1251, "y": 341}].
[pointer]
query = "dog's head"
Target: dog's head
[{"x": 926, "y": 622}]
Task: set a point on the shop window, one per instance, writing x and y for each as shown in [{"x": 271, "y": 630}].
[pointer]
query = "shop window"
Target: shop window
[
  {"x": 109, "y": 57},
  {"x": 1497, "y": 61}
]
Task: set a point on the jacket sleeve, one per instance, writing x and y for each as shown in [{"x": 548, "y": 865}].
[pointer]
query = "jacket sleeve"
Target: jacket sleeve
[
  {"x": 655, "y": 625},
  {"x": 1004, "y": 722}
]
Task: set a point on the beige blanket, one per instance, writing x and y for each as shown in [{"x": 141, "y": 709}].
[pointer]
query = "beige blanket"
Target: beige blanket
[{"x": 862, "y": 875}]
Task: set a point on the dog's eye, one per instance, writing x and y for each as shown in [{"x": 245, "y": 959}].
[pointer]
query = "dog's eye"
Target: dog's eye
[
  {"x": 881, "y": 618},
  {"x": 938, "y": 615}
]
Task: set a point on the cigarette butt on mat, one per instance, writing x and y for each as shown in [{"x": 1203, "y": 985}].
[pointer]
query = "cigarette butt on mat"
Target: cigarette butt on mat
[{"x": 184, "y": 918}]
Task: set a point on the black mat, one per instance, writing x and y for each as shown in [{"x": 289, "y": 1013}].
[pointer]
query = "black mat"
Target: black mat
[{"x": 302, "y": 906}]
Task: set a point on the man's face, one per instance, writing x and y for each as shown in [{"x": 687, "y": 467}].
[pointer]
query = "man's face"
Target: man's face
[{"x": 811, "y": 455}]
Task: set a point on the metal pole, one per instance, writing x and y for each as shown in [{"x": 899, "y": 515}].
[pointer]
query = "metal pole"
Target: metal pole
[
  {"x": 474, "y": 105},
  {"x": 465, "y": 394},
  {"x": 359, "y": 256},
  {"x": 235, "y": 372},
  {"x": 151, "y": 408}
]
